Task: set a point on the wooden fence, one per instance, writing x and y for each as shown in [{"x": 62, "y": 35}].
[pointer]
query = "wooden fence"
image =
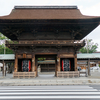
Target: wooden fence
[
  {"x": 68, "y": 74},
  {"x": 24, "y": 74}
]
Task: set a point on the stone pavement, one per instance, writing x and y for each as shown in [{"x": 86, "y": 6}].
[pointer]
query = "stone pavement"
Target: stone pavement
[{"x": 49, "y": 79}]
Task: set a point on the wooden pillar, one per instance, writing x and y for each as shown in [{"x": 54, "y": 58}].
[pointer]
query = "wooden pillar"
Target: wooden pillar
[
  {"x": 36, "y": 66},
  {"x": 89, "y": 67},
  {"x": 16, "y": 63},
  {"x": 24, "y": 55},
  {"x": 3, "y": 69},
  {"x": 75, "y": 62},
  {"x": 58, "y": 65},
  {"x": 33, "y": 63}
]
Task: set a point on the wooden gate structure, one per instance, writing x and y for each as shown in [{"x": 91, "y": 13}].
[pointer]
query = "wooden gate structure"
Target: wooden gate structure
[{"x": 46, "y": 30}]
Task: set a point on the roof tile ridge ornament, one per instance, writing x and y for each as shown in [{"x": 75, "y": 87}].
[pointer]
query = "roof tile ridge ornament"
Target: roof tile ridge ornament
[{"x": 45, "y": 7}]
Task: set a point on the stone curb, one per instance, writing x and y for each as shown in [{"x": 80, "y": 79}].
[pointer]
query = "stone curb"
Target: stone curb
[
  {"x": 44, "y": 84},
  {"x": 48, "y": 83}
]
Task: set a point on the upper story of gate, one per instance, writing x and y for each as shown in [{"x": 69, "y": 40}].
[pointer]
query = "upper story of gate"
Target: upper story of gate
[{"x": 47, "y": 23}]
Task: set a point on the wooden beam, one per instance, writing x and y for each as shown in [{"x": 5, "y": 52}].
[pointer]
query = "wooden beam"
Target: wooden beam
[{"x": 66, "y": 55}]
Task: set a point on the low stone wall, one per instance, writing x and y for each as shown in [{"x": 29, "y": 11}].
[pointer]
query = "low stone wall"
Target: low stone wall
[
  {"x": 68, "y": 74},
  {"x": 95, "y": 70},
  {"x": 24, "y": 74}
]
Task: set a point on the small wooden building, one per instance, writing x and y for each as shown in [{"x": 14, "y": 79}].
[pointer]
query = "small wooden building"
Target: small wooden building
[{"x": 46, "y": 31}]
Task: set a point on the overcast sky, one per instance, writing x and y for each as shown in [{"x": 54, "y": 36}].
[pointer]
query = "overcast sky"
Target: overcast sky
[{"x": 87, "y": 7}]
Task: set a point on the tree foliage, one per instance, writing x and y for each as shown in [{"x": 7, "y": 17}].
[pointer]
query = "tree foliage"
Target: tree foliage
[
  {"x": 2, "y": 46},
  {"x": 7, "y": 50},
  {"x": 90, "y": 47},
  {"x": 2, "y": 37},
  {"x": 41, "y": 59}
]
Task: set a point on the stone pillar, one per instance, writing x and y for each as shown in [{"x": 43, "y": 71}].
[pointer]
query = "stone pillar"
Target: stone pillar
[
  {"x": 75, "y": 62},
  {"x": 16, "y": 63},
  {"x": 33, "y": 63}
]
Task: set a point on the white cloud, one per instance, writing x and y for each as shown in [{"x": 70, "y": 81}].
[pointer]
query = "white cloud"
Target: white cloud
[
  {"x": 7, "y": 5},
  {"x": 92, "y": 10}
]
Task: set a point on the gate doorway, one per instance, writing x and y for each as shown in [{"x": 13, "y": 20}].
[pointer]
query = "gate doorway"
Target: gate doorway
[{"x": 46, "y": 65}]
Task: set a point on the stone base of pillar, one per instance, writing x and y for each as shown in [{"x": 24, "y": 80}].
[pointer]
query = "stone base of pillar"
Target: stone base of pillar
[
  {"x": 68, "y": 74},
  {"x": 24, "y": 74}
]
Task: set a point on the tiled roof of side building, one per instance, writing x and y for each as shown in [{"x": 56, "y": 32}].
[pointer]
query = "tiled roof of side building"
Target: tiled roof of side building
[
  {"x": 79, "y": 56},
  {"x": 88, "y": 55},
  {"x": 7, "y": 56}
]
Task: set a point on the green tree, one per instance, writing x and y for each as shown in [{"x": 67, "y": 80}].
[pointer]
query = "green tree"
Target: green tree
[
  {"x": 41, "y": 59},
  {"x": 90, "y": 47},
  {"x": 2, "y": 47},
  {"x": 8, "y": 51},
  {"x": 2, "y": 37}
]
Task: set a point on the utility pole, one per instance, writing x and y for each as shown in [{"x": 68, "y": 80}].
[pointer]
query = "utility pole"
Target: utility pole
[
  {"x": 87, "y": 44},
  {"x": 4, "y": 67},
  {"x": 4, "y": 47}
]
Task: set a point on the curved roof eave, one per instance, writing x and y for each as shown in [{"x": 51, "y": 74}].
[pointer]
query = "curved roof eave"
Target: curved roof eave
[{"x": 46, "y": 13}]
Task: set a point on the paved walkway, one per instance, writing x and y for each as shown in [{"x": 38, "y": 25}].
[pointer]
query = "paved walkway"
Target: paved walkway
[{"x": 49, "y": 79}]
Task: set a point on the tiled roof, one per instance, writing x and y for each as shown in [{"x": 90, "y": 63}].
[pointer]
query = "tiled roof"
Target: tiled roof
[
  {"x": 79, "y": 56},
  {"x": 7, "y": 56},
  {"x": 88, "y": 55},
  {"x": 46, "y": 12}
]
